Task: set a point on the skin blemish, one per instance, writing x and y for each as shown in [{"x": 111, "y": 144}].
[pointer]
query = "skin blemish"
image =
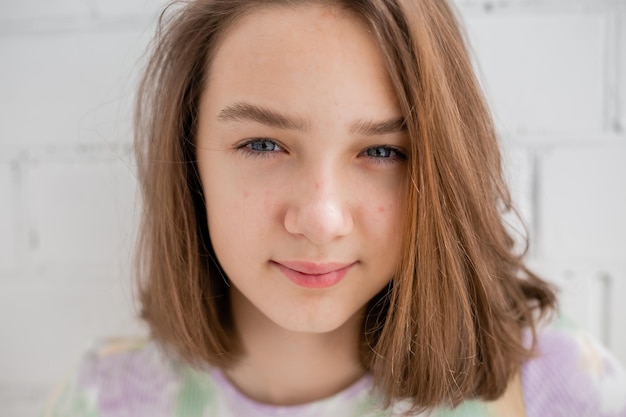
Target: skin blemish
[{"x": 381, "y": 209}]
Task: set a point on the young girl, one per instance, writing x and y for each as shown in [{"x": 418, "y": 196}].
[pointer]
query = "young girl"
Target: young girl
[{"x": 322, "y": 230}]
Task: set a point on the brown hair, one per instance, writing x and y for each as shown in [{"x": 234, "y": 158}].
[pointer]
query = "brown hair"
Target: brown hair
[{"x": 449, "y": 326}]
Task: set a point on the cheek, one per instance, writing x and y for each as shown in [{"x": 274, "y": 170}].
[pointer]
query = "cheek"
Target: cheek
[
  {"x": 256, "y": 206},
  {"x": 268, "y": 201},
  {"x": 240, "y": 198},
  {"x": 382, "y": 217},
  {"x": 257, "y": 212},
  {"x": 381, "y": 205},
  {"x": 240, "y": 218}
]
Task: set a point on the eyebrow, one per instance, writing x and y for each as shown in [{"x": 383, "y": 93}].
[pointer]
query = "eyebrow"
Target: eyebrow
[
  {"x": 371, "y": 128},
  {"x": 246, "y": 111},
  {"x": 264, "y": 115}
]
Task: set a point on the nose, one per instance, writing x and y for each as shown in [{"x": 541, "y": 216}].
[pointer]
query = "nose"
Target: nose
[{"x": 319, "y": 210}]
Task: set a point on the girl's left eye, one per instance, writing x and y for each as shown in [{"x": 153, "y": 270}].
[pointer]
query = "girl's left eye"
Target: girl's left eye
[{"x": 384, "y": 153}]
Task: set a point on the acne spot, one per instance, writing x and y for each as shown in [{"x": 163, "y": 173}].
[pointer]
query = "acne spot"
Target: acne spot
[
  {"x": 327, "y": 13},
  {"x": 381, "y": 209},
  {"x": 317, "y": 185}
]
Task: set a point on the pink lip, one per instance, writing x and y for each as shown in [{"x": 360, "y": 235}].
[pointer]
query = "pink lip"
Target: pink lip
[{"x": 313, "y": 275}]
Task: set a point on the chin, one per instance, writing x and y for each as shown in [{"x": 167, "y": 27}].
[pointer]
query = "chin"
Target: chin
[{"x": 315, "y": 323}]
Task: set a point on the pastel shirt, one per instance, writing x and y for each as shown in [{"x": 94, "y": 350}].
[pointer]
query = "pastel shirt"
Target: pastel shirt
[{"x": 571, "y": 376}]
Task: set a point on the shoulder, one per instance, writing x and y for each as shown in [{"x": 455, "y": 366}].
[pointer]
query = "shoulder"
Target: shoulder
[
  {"x": 125, "y": 377},
  {"x": 572, "y": 375}
]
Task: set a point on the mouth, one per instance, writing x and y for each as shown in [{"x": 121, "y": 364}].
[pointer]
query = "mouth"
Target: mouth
[{"x": 314, "y": 275}]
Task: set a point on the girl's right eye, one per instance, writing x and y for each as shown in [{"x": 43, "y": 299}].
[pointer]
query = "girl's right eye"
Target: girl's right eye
[{"x": 260, "y": 147}]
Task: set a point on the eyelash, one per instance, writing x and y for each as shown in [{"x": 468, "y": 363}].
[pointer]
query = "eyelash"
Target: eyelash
[
  {"x": 396, "y": 155},
  {"x": 246, "y": 148}
]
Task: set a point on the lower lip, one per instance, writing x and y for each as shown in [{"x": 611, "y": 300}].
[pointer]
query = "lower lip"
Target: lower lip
[{"x": 326, "y": 280}]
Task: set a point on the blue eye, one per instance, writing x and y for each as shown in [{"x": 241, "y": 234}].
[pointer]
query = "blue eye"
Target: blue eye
[
  {"x": 263, "y": 145},
  {"x": 260, "y": 147},
  {"x": 384, "y": 152}
]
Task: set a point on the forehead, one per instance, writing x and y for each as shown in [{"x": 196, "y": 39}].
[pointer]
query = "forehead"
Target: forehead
[
  {"x": 292, "y": 24},
  {"x": 303, "y": 56}
]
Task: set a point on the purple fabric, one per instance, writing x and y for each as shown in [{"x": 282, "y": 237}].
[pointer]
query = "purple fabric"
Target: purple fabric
[
  {"x": 137, "y": 383},
  {"x": 565, "y": 378},
  {"x": 570, "y": 376}
]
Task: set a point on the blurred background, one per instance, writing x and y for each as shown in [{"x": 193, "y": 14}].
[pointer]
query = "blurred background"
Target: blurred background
[{"x": 555, "y": 75}]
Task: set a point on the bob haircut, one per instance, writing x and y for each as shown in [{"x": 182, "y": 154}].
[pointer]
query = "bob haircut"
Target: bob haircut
[{"x": 448, "y": 327}]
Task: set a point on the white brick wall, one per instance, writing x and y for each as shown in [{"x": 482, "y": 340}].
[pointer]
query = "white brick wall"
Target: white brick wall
[
  {"x": 8, "y": 217},
  {"x": 620, "y": 69},
  {"x": 29, "y": 10},
  {"x": 583, "y": 206},
  {"x": 518, "y": 55},
  {"x": 79, "y": 192},
  {"x": 555, "y": 74}
]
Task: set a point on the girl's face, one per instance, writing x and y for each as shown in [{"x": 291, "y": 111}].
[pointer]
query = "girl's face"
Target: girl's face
[{"x": 302, "y": 156}]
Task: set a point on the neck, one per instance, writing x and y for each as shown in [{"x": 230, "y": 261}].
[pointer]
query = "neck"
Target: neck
[{"x": 282, "y": 367}]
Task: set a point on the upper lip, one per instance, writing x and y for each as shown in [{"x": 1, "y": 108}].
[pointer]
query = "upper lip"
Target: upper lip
[{"x": 314, "y": 268}]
